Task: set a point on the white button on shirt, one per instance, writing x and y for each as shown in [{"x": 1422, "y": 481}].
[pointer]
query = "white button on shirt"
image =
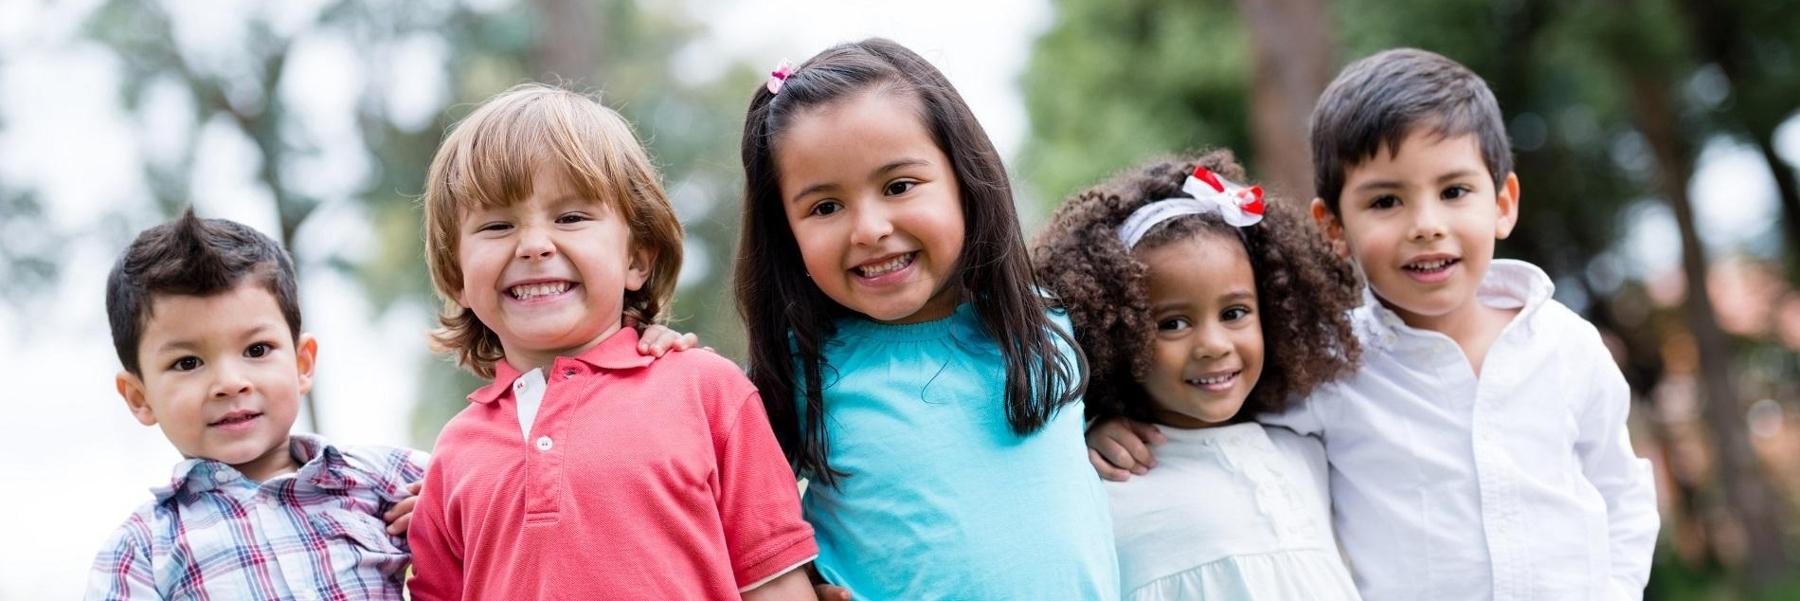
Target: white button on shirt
[{"x": 1519, "y": 484}]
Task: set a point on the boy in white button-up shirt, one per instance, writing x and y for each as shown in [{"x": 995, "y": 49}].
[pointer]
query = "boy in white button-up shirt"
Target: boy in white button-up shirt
[{"x": 1480, "y": 452}]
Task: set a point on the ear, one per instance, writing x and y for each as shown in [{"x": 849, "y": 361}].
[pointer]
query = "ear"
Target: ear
[
  {"x": 306, "y": 354},
  {"x": 1507, "y": 199},
  {"x": 638, "y": 272},
  {"x": 1330, "y": 226},
  {"x": 131, "y": 388}
]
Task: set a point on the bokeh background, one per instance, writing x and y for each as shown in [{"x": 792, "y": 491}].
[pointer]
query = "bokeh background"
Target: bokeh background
[{"x": 1657, "y": 143}]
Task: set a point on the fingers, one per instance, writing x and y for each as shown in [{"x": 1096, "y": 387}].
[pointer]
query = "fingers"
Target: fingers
[
  {"x": 657, "y": 340},
  {"x": 415, "y": 487},
  {"x": 401, "y": 509},
  {"x": 1105, "y": 469},
  {"x": 400, "y": 526},
  {"x": 1120, "y": 444},
  {"x": 1148, "y": 432},
  {"x": 686, "y": 341},
  {"x": 831, "y": 593}
]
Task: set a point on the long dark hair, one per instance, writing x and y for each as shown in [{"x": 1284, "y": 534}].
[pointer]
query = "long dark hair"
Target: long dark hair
[{"x": 777, "y": 301}]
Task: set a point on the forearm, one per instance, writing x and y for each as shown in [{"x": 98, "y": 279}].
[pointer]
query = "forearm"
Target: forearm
[{"x": 792, "y": 586}]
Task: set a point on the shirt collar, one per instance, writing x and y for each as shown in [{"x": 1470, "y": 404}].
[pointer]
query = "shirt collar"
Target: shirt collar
[
  {"x": 321, "y": 465},
  {"x": 1509, "y": 284},
  {"x": 617, "y": 352}
]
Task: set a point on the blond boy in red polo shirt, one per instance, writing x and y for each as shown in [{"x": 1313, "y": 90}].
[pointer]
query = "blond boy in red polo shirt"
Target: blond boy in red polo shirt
[{"x": 585, "y": 470}]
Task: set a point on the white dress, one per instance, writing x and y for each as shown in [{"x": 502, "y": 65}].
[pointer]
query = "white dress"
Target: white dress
[{"x": 1234, "y": 512}]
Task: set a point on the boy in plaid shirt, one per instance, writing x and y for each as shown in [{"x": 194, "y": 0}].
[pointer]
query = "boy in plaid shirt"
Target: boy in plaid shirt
[{"x": 206, "y": 321}]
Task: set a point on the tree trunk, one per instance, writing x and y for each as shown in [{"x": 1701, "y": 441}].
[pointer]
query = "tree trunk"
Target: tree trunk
[
  {"x": 1290, "y": 49},
  {"x": 1751, "y": 500},
  {"x": 1718, "y": 35},
  {"x": 1789, "y": 191}
]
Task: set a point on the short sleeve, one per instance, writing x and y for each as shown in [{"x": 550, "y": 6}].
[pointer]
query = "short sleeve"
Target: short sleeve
[{"x": 759, "y": 499}]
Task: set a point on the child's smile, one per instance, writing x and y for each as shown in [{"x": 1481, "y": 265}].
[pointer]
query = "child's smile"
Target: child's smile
[
  {"x": 223, "y": 376},
  {"x": 874, "y": 206},
  {"x": 548, "y": 273},
  {"x": 1422, "y": 222},
  {"x": 1207, "y": 350}
]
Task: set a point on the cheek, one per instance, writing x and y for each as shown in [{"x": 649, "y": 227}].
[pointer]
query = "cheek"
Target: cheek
[{"x": 1167, "y": 357}]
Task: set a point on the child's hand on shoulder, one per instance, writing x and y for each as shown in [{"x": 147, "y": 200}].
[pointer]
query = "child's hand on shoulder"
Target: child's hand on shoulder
[
  {"x": 657, "y": 340},
  {"x": 1119, "y": 447}
]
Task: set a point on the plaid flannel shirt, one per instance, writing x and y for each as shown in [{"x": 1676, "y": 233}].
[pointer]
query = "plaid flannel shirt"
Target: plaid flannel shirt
[{"x": 313, "y": 534}]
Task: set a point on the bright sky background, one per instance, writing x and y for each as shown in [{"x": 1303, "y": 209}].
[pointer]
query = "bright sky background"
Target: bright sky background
[{"x": 76, "y": 463}]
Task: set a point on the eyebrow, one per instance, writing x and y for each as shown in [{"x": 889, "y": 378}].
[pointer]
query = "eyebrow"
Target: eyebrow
[
  {"x": 1388, "y": 184},
  {"x": 187, "y": 344},
  {"x": 891, "y": 166},
  {"x": 1238, "y": 295}
]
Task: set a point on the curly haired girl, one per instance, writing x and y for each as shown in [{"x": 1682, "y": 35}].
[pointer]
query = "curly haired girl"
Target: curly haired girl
[{"x": 1200, "y": 306}]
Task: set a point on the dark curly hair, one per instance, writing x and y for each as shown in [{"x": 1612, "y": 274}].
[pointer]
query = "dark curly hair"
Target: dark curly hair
[{"x": 1304, "y": 290}]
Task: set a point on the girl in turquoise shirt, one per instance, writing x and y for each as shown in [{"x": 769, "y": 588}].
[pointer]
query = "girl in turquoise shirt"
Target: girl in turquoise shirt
[{"x": 910, "y": 369}]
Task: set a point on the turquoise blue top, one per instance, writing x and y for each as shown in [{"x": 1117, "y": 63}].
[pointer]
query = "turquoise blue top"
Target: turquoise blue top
[{"x": 943, "y": 500}]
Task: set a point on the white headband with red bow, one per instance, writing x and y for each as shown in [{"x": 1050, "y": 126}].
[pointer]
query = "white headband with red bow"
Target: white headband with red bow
[{"x": 1207, "y": 193}]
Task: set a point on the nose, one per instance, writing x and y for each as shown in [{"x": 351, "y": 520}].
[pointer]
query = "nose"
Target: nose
[
  {"x": 229, "y": 380},
  {"x": 1427, "y": 221},
  {"x": 535, "y": 243},
  {"x": 870, "y": 224},
  {"x": 1211, "y": 341}
]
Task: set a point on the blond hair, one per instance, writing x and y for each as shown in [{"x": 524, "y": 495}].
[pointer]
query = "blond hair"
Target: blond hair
[{"x": 488, "y": 160}]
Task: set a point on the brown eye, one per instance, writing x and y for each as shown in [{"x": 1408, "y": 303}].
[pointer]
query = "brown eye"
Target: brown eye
[
  {"x": 257, "y": 350},
  {"x": 900, "y": 187},
  {"x": 186, "y": 364},
  {"x": 826, "y": 208}
]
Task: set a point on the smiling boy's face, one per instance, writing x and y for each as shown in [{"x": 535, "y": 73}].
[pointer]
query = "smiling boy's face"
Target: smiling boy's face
[
  {"x": 222, "y": 376},
  {"x": 1422, "y": 222}
]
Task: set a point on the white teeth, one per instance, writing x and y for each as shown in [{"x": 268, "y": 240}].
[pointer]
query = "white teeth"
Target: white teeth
[
  {"x": 889, "y": 266},
  {"x": 530, "y": 291},
  {"x": 1430, "y": 265},
  {"x": 1220, "y": 379}
]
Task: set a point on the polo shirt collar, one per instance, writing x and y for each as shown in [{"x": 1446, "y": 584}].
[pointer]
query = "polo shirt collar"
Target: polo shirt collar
[
  {"x": 617, "y": 352},
  {"x": 321, "y": 465}
]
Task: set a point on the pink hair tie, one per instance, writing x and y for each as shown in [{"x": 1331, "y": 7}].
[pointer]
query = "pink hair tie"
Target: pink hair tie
[{"x": 778, "y": 77}]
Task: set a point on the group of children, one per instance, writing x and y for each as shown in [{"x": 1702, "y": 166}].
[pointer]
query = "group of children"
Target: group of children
[{"x": 1267, "y": 425}]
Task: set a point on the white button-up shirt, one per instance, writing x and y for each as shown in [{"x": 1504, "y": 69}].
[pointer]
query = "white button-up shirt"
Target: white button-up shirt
[{"x": 1519, "y": 484}]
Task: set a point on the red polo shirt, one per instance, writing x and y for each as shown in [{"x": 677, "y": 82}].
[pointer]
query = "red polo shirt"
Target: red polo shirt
[{"x": 641, "y": 478}]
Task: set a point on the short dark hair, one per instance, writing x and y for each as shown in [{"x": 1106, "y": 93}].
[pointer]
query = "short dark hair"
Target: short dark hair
[
  {"x": 1304, "y": 291},
  {"x": 1377, "y": 101},
  {"x": 781, "y": 306},
  {"x": 190, "y": 256}
]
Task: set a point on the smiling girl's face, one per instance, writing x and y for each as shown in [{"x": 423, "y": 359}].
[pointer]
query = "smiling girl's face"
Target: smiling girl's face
[
  {"x": 1207, "y": 352},
  {"x": 874, "y": 206}
]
